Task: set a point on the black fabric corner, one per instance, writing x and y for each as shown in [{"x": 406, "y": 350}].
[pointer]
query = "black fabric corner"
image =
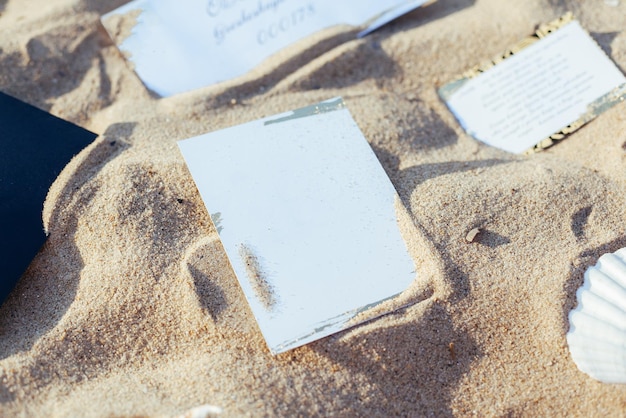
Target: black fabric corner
[{"x": 34, "y": 147}]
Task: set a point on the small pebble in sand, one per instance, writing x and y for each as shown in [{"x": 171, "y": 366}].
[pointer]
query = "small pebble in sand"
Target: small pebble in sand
[{"x": 471, "y": 235}]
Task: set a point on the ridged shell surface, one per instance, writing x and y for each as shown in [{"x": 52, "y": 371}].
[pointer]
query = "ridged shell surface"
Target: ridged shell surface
[{"x": 597, "y": 334}]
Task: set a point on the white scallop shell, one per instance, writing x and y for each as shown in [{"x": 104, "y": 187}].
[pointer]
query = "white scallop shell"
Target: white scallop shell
[{"x": 597, "y": 334}]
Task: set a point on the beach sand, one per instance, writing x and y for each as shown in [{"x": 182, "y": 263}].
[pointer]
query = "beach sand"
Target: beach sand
[{"x": 131, "y": 308}]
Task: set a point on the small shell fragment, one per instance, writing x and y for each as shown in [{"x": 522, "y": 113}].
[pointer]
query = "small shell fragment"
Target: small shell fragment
[
  {"x": 203, "y": 411},
  {"x": 471, "y": 235}
]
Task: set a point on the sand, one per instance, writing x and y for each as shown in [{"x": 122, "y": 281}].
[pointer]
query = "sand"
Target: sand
[{"x": 131, "y": 309}]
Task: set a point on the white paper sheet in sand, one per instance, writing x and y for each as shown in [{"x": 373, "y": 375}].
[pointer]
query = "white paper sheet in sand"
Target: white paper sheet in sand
[
  {"x": 307, "y": 217},
  {"x": 536, "y": 92},
  {"x": 176, "y": 46}
]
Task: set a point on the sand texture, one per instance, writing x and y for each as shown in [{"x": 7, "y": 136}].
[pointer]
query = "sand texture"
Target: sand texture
[{"x": 131, "y": 308}]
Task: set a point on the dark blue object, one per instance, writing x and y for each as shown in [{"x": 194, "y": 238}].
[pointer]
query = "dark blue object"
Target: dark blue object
[{"x": 34, "y": 148}]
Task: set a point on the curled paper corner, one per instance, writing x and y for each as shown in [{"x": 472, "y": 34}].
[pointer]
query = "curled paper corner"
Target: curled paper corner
[
  {"x": 389, "y": 15},
  {"x": 120, "y": 23}
]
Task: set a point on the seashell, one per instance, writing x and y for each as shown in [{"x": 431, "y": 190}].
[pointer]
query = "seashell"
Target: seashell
[
  {"x": 597, "y": 334},
  {"x": 202, "y": 411},
  {"x": 471, "y": 235}
]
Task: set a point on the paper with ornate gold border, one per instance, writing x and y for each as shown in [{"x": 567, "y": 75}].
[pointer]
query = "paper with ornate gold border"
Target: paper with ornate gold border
[{"x": 595, "y": 108}]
